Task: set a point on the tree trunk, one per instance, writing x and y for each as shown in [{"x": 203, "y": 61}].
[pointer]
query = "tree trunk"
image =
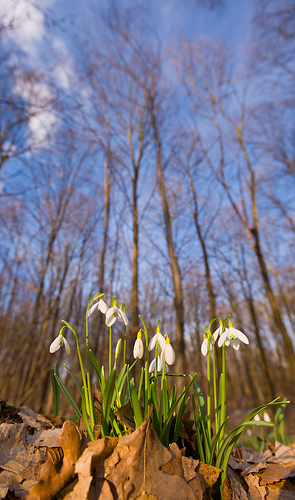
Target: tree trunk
[{"x": 180, "y": 363}]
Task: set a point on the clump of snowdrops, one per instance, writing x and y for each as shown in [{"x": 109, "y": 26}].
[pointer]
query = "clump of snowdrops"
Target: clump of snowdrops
[{"x": 151, "y": 394}]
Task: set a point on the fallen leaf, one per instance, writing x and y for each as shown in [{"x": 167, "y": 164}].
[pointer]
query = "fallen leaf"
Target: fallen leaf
[
  {"x": 245, "y": 466},
  {"x": 275, "y": 473},
  {"x": 35, "y": 420},
  {"x": 52, "y": 482},
  {"x": 174, "y": 466},
  {"x": 125, "y": 415},
  {"x": 256, "y": 490},
  {"x": 284, "y": 490},
  {"x": 189, "y": 467},
  {"x": 144, "y": 462},
  {"x": 234, "y": 486},
  {"x": 97, "y": 400},
  {"x": 19, "y": 462},
  {"x": 47, "y": 438},
  {"x": 209, "y": 472}
]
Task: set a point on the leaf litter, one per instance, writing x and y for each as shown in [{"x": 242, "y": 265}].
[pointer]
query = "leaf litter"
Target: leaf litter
[{"x": 39, "y": 461}]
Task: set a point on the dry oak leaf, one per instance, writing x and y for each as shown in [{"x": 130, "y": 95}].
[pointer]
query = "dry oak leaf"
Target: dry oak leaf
[
  {"x": 139, "y": 472},
  {"x": 95, "y": 453},
  {"x": 19, "y": 462},
  {"x": 45, "y": 438},
  {"x": 275, "y": 473},
  {"x": 35, "y": 420},
  {"x": 51, "y": 481},
  {"x": 256, "y": 490},
  {"x": 234, "y": 486},
  {"x": 138, "y": 466}
]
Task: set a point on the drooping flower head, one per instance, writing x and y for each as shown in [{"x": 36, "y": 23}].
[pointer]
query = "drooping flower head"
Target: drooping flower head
[
  {"x": 58, "y": 342},
  {"x": 157, "y": 339},
  {"x": 232, "y": 336},
  {"x": 168, "y": 353},
  {"x": 209, "y": 341},
  {"x": 115, "y": 313},
  {"x": 112, "y": 313},
  {"x": 138, "y": 347},
  {"x": 153, "y": 365}
]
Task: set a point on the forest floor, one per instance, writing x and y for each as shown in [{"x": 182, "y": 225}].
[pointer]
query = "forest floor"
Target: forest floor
[{"x": 43, "y": 458}]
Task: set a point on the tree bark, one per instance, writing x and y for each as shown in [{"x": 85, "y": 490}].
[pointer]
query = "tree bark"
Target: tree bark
[{"x": 180, "y": 363}]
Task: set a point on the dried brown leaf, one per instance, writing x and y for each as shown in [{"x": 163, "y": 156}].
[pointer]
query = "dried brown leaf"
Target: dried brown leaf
[
  {"x": 256, "y": 490},
  {"x": 276, "y": 472},
  {"x": 51, "y": 481},
  {"x": 35, "y": 420},
  {"x": 245, "y": 466},
  {"x": 97, "y": 400},
  {"x": 45, "y": 438},
  {"x": 189, "y": 468},
  {"x": 284, "y": 490},
  {"x": 234, "y": 486},
  {"x": 126, "y": 416},
  {"x": 96, "y": 452},
  {"x": 139, "y": 471},
  {"x": 19, "y": 462},
  {"x": 209, "y": 472},
  {"x": 174, "y": 466}
]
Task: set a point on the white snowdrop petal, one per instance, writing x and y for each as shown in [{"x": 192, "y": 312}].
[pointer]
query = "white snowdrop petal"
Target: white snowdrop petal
[
  {"x": 152, "y": 366},
  {"x": 242, "y": 336},
  {"x": 235, "y": 344},
  {"x": 122, "y": 317},
  {"x": 55, "y": 345},
  {"x": 102, "y": 306},
  {"x": 266, "y": 417},
  {"x": 152, "y": 343},
  {"x": 110, "y": 320},
  {"x": 92, "y": 308},
  {"x": 217, "y": 333},
  {"x": 161, "y": 340},
  {"x": 169, "y": 354},
  {"x": 67, "y": 346},
  {"x": 159, "y": 364},
  {"x": 222, "y": 339},
  {"x": 111, "y": 311},
  {"x": 138, "y": 349},
  {"x": 204, "y": 347}
]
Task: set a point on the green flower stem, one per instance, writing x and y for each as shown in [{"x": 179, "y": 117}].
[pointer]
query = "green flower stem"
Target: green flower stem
[
  {"x": 208, "y": 394},
  {"x": 110, "y": 350},
  {"x": 222, "y": 396},
  {"x": 88, "y": 395},
  {"x": 214, "y": 388},
  {"x": 81, "y": 365},
  {"x": 124, "y": 346}
]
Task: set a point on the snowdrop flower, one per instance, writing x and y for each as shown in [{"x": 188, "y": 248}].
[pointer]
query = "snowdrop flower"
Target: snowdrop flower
[
  {"x": 59, "y": 341},
  {"x": 153, "y": 364},
  {"x": 157, "y": 338},
  {"x": 101, "y": 305},
  {"x": 113, "y": 313},
  {"x": 168, "y": 353},
  {"x": 233, "y": 337},
  {"x": 207, "y": 342},
  {"x": 138, "y": 347}
]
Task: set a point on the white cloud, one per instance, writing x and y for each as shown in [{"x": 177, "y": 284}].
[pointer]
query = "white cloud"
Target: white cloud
[
  {"x": 42, "y": 117},
  {"x": 25, "y": 23}
]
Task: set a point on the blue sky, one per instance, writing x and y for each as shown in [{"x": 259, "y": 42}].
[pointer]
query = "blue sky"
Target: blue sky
[{"x": 170, "y": 17}]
